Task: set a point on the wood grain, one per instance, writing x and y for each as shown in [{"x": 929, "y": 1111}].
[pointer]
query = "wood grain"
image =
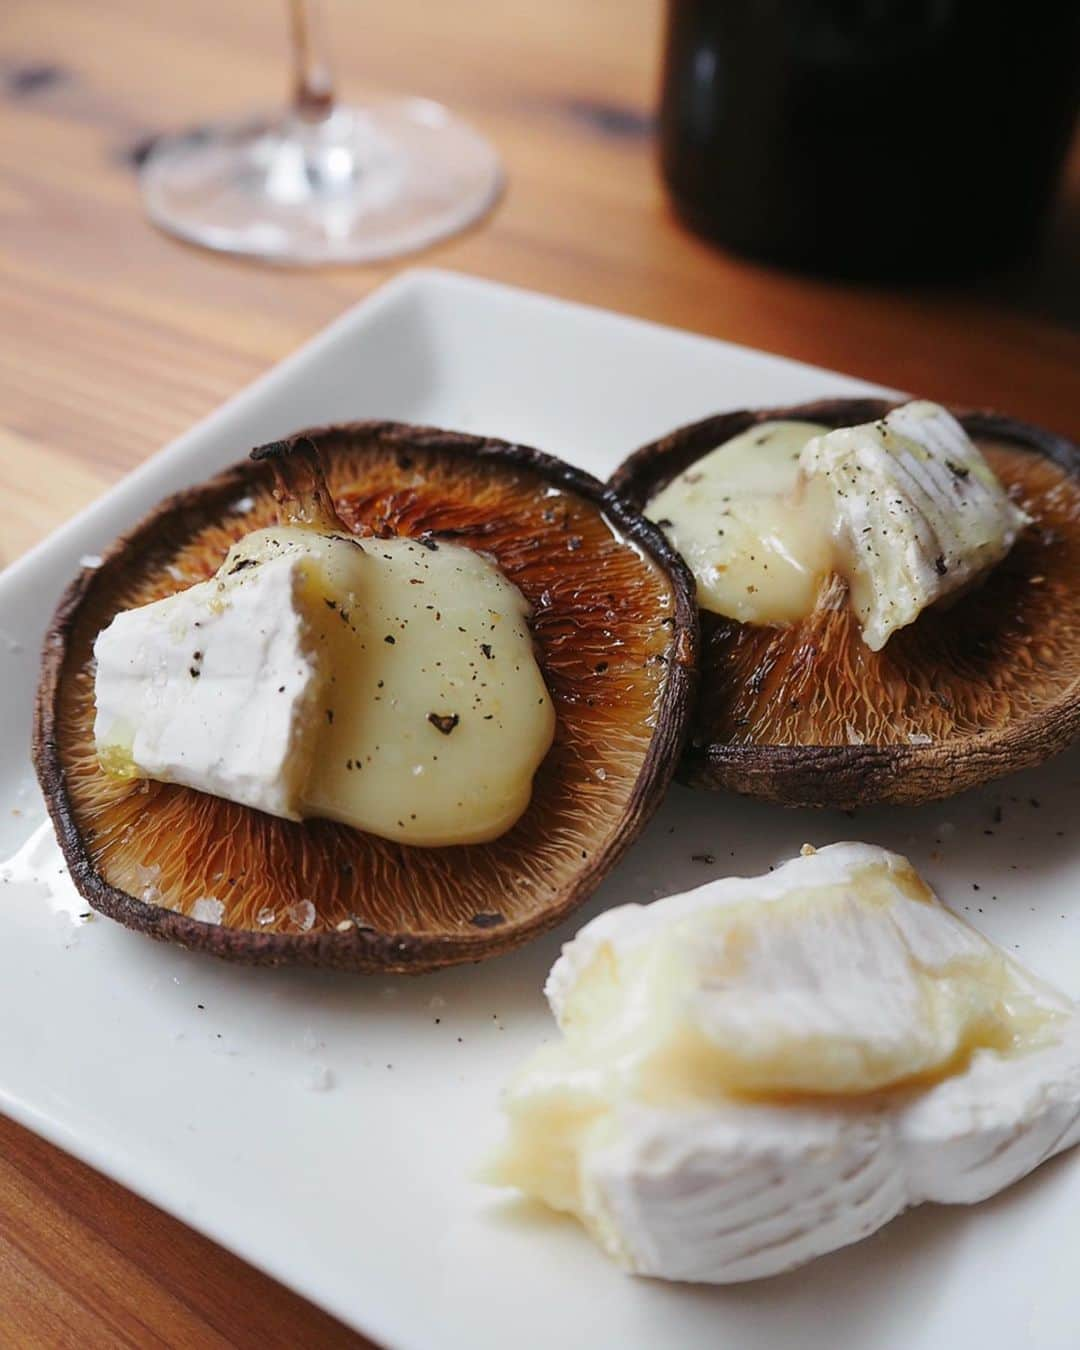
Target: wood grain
[
  {"x": 85, "y": 1263},
  {"x": 114, "y": 338}
]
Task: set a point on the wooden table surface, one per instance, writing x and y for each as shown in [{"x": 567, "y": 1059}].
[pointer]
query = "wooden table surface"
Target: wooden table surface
[{"x": 114, "y": 338}]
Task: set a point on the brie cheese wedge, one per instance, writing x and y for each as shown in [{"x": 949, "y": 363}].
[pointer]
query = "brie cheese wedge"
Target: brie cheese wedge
[
  {"x": 390, "y": 685},
  {"x": 215, "y": 687},
  {"x": 906, "y": 510},
  {"x": 762, "y": 1070},
  {"x": 919, "y": 514}
]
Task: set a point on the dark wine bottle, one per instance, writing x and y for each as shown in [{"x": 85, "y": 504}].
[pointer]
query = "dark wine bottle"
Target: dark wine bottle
[{"x": 880, "y": 138}]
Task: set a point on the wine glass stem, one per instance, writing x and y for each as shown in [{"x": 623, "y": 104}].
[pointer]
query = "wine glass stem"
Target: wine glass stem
[{"x": 313, "y": 85}]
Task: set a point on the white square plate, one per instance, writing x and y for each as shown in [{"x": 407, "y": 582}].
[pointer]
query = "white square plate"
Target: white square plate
[{"x": 326, "y": 1127}]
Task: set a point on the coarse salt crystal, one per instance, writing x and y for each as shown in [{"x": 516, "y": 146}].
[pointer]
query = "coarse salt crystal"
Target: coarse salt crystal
[
  {"x": 144, "y": 882},
  {"x": 303, "y": 915},
  {"x": 207, "y": 909}
]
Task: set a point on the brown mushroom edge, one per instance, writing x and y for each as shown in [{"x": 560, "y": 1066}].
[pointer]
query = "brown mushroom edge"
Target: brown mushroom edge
[
  {"x": 993, "y": 680},
  {"x": 616, "y": 629}
]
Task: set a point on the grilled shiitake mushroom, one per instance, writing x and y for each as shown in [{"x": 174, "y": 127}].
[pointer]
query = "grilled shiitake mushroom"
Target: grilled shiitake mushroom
[
  {"x": 615, "y": 628},
  {"x": 808, "y": 715}
]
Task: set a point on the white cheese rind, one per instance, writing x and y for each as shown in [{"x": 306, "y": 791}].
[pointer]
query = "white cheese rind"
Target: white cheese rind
[
  {"x": 740, "y": 1192},
  {"x": 919, "y": 513},
  {"x": 743, "y": 1191},
  {"x": 210, "y": 688},
  {"x": 680, "y": 1174}
]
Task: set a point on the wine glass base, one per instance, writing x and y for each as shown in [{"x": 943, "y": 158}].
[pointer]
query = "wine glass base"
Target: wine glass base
[{"x": 364, "y": 183}]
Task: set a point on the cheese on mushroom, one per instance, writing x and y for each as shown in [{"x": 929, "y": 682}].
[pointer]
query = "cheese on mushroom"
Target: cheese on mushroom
[{"x": 387, "y": 684}]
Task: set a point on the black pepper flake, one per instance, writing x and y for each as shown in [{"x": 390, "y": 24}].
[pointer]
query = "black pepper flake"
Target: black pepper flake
[
  {"x": 330, "y": 716},
  {"x": 281, "y": 688},
  {"x": 241, "y": 565},
  {"x": 444, "y": 722},
  {"x": 664, "y": 523},
  {"x": 940, "y": 566},
  {"x": 702, "y": 857},
  {"x": 485, "y": 647},
  {"x": 957, "y": 470},
  {"x": 600, "y": 667},
  {"x": 390, "y": 638},
  {"x": 487, "y": 920},
  {"x": 574, "y": 542},
  {"x": 331, "y": 604},
  {"x": 428, "y": 541},
  {"x": 194, "y": 672}
]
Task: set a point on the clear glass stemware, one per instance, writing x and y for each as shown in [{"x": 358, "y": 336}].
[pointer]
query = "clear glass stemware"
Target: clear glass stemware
[{"x": 324, "y": 182}]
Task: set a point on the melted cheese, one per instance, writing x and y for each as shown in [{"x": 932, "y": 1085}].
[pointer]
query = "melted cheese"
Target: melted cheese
[
  {"x": 756, "y": 535},
  {"x": 906, "y": 510},
  {"x": 737, "y": 1064},
  {"x": 385, "y": 684}
]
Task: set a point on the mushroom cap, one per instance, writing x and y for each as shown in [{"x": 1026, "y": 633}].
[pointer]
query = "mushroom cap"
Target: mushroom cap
[
  {"x": 807, "y": 715},
  {"x": 616, "y": 633}
]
